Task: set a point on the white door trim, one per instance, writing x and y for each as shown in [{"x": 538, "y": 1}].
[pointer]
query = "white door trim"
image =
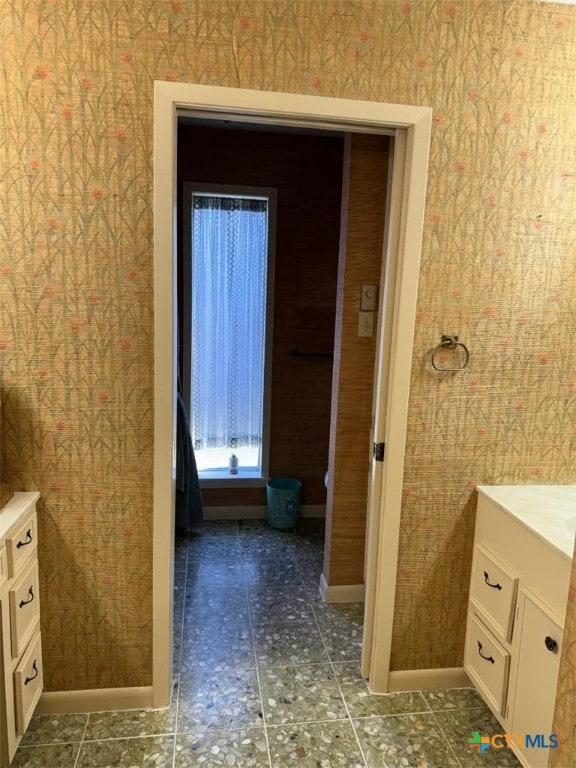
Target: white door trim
[{"x": 407, "y": 204}]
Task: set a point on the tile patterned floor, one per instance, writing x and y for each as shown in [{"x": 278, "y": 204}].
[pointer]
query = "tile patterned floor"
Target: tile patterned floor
[{"x": 267, "y": 676}]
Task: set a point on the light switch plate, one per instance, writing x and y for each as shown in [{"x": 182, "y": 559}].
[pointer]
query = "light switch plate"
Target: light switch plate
[
  {"x": 369, "y": 298},
  {"x": 365, "y": 323}
]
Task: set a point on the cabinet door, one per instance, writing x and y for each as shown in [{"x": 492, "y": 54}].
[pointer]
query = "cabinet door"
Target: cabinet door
[{"x": 537, "y": 676}]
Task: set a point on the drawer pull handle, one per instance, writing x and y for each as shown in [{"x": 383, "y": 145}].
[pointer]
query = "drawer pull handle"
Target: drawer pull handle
[
  {"x": 486, "y": 658},
  {"x": 494, "y": 586},
  {"x": 28, "y": 539},
  {"x": 34, "y": 676},
  {"x": 22, "y": 603},
  {"x": 551, "y": 644}
]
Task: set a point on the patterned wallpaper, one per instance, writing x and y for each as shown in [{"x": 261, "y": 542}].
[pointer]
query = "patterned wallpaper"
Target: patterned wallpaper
[{"x": 76, "y": 276}]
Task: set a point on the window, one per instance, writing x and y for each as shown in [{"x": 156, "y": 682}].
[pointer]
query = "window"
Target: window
[{"x": 230, "y": 309}]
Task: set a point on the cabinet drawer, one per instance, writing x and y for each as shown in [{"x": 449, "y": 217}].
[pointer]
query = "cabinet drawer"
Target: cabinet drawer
[
  {"x": 493, "y": 591},
  {"x": 28, "y": 683},
  {"x": 21, "y": 544},
  {"x": 487, "y": 664},
  {"x": 24, "y": 609}
]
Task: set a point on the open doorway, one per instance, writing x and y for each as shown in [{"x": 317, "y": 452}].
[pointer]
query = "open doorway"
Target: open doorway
[
  {"x": 331, "y": 206},
  {"x": 412, "y": 131},
  {"x": 302, "y": 172}
]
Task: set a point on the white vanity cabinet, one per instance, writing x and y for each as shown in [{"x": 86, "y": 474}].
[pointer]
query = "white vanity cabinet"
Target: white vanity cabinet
[
  {"x": 519, "y": 586},
  {"x": 20, "y": 647}
]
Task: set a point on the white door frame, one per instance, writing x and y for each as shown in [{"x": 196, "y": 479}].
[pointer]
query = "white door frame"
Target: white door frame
[{"x": 411, "y": 127}]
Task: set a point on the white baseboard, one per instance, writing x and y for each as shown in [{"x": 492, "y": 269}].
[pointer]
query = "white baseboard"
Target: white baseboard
[
  {"x": 257, "y": 512},
  {"x": 342, "y": 593},
  {"x": 95, "y": 700},
  {"x": 428, "y": 679}
]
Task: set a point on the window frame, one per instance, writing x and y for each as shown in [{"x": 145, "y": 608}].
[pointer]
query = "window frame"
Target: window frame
[{"x": 221, "y": 479}]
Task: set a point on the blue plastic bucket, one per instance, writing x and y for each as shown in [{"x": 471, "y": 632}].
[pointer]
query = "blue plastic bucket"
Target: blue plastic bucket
[{"x": 283, "y": 498}]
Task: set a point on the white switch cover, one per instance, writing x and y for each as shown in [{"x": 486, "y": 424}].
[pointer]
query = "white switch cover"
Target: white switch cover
[
  {"x": 369, "y": 298},
  {"x": 365, "y": 323}
]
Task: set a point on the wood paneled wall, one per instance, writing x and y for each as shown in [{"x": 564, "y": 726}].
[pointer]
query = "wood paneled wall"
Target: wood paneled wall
[{"x": 361, "y": 241}]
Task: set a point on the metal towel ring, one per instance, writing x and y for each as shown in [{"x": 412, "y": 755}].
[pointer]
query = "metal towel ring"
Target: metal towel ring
[{"x": 450, "y": 342}]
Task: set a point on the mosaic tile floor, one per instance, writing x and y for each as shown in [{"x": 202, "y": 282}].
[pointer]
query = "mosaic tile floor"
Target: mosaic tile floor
[{"x": 267, "y": 676}]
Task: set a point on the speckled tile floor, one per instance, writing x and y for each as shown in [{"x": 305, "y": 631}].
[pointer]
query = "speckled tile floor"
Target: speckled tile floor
[{"x": 267, "y": 676}]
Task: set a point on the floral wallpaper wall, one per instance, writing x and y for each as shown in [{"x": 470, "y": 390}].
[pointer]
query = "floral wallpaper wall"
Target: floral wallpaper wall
[{"x": 498, "y": 269}]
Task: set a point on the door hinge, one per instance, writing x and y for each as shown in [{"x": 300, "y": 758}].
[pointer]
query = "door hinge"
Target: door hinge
[{"x": 378, "y": 451}]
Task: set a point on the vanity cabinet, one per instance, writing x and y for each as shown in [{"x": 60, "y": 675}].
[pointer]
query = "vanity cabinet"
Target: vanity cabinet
[
  {"x": 20, "y": 644},
  {"x": 518, "y": 593}
]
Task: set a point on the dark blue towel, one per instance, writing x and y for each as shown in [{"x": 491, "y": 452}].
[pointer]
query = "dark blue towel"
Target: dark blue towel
[{"x": 188, "y": 496}]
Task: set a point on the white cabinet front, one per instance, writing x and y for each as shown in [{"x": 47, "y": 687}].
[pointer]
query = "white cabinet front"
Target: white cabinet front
[
  {"x": 536, "y": 677},
  {"x": 493, "y": 591},
  {"x": 486, "y": 662},
  {"x": 518, "y": 591}
]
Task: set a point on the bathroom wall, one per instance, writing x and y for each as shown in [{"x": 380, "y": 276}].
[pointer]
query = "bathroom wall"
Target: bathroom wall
[
  {"x": 306, "y": 171},
  {"x": 5, "y": 490},
  {"x": 76, "y": 299}
]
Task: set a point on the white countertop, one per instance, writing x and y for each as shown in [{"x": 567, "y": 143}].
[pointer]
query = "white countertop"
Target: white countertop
[
  {"x": 547, "y": 510},
  {"x": 12, "y": 511}
]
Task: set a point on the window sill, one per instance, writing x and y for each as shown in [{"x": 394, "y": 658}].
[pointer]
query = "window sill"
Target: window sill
[{"x": 225, "y": 480}]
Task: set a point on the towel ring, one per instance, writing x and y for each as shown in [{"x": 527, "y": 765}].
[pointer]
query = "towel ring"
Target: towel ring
[{"x": 450, "y": 342}]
